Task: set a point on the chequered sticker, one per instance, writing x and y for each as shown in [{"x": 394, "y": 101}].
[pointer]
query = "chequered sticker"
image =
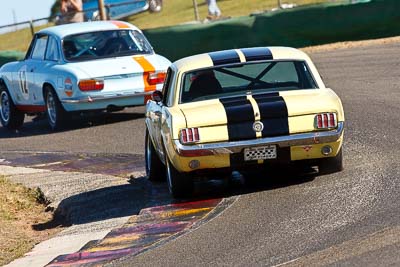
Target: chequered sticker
[{"x": 267, "y": 152}]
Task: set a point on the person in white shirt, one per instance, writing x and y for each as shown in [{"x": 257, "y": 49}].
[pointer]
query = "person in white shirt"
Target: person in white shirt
[{"x": 213, "y": 10}]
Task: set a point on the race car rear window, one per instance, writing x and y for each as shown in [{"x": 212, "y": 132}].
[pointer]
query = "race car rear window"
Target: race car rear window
[
  {"x": 246, "y": 78},
  {"x": 103, "y": 44}
]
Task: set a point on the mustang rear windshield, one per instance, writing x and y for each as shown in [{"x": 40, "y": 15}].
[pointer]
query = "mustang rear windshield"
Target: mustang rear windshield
[
  {"x": 260, "y": 77},
  {"x": 103, "y": 44}
]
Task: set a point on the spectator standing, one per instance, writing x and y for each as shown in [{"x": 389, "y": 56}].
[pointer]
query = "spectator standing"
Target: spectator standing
[
  {"x": 213, "y": 10},
  {"x": 71, "y": 11}
]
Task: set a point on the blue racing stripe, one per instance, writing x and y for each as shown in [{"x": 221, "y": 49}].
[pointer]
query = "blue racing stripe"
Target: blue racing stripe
[
  {"x": 257, "y": 53},
  {"x": 224, "y": 57},
  {"x": 274, "y": 114},
  {"x": 240, "y": 116}
]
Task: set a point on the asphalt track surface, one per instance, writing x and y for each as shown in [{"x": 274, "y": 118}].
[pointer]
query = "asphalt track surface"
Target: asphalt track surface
[{"x": 347, "y": 218}]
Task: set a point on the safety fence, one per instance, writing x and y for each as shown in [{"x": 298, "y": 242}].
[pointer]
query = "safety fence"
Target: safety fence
[{"x": 119, "y": 9}]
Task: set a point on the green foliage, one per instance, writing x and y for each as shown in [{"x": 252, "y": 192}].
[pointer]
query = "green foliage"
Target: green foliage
[
  {"x": 40, "y": 197},
  {"x": 7, "y": 56}
]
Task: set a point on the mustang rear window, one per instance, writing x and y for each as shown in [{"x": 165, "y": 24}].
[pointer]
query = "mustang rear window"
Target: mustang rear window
[
  {"x": 246, "y": 78},
  {"x": 103, "y": 44}
]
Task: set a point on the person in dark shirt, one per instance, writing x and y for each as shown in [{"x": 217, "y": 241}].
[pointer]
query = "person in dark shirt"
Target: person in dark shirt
[{"x": 71, "y": 11}]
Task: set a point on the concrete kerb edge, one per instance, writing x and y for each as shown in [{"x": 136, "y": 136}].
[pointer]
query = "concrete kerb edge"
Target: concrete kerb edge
[
  {"x": 47, "y": 250},
  {"x": 51, "y": 198}
]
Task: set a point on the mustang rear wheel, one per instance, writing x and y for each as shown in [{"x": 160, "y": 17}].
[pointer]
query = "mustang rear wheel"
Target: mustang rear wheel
[
  {"x": 55, "y": 112},
  {"x": 331, "y": 165},
  {"x": 10, "y": 116},
  {"x": 179, "y": 184},
  {"x": 155, "y": 170}
]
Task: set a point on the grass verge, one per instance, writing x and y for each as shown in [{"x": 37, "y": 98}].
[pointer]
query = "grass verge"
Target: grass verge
[
  {"x": 20, "y": 209},
  {"x": 181, "y": 11}
]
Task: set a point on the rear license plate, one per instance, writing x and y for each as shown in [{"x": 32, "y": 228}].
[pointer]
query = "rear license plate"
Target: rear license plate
[{"x": 261, "y": 152}]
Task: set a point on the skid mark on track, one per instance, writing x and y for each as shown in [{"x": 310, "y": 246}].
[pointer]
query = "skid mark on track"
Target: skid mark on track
[{"x": 146, "y": 230}]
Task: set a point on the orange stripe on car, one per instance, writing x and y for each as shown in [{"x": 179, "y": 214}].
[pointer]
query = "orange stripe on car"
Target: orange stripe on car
[
  {"x": 120, "y": 24},
  {"x": 148, "y": 68}
]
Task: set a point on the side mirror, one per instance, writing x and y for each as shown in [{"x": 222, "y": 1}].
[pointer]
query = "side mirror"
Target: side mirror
[{"x": 157, "y": 96}]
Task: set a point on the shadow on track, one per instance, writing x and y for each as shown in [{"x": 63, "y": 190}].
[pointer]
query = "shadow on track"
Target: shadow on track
[
  {"x": 101, "y": 204},
  {"x": 246, "y": 182},
  {"x": 38, "y": 126},
  {"x": 130, "y": 199}
]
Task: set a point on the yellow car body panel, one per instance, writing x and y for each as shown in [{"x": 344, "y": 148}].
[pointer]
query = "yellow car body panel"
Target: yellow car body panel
[
  {"x": 315, "y": 101},
  {"x": 206, "y": 162},
  {"x": 210, "y": 112},
  {"x": 307, "y": 152},
  {"x": 213, "y": 133}
]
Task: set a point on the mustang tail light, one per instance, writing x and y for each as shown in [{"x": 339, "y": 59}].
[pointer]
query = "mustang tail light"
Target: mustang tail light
[
  {"x": 91, "y": 85},
  {"x": 189, "y": 135},
  {"x": 326, "y": 120},
  {"x": 156, "y": 77}
]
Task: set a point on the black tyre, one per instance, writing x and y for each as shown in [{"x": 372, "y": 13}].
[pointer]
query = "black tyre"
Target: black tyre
[
  {"x": 10, "y": 117},
  {"x": 155, "y": 6},
  {"x": 155, "y": 169},
  {"x": 180, "y": 185},
  {"x": 56, "y": 114},
  {"x": 331, "y": 165}
]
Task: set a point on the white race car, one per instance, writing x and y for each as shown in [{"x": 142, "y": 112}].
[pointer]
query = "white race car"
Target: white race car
[{"x": 102, "y": 65}]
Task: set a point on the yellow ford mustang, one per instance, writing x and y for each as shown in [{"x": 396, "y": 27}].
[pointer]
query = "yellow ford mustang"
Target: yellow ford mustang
[{"x": 241, "y": 108}]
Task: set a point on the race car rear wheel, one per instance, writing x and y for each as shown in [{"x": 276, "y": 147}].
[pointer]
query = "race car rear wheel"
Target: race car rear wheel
[
  {"x": 331, "y": 165},
  {"x": 180, "y": 185},
  {"x": 155, "y": 170},
  {"x": 55, "y": 112},
  {"x": 10, "y": 116}
]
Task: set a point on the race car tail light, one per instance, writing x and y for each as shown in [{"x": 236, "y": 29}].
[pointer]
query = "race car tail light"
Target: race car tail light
[
  {"x": 156, "y": 77},
  {"x": 326, "y": 120},
  {"x": 91, "y": 85},
  {"x": 190, "y": 135}
]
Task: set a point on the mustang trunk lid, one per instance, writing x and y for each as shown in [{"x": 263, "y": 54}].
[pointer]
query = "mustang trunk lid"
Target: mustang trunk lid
[{"x": 280, "y": 113}]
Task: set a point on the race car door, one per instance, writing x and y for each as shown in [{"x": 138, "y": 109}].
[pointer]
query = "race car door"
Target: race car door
[{"x": 29, "y": 89}]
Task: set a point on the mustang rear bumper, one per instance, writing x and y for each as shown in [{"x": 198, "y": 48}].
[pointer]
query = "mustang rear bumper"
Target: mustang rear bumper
[{"x": 302, "y": 139}]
